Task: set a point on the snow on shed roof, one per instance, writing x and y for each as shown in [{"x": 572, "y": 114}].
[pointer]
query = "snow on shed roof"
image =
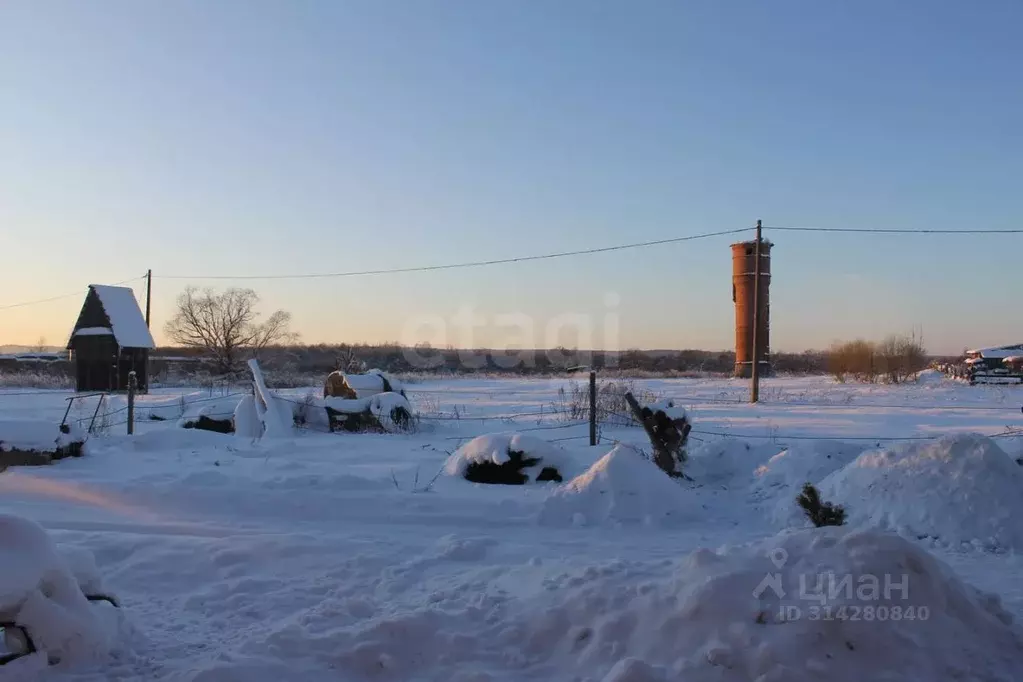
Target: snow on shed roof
[
  {"x": 999, "y": 352},
  {"x": 126, "y": 318}
]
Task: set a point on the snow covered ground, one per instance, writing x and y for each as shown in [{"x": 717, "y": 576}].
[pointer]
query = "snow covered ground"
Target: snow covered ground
[{"x": 357, "y": 557}]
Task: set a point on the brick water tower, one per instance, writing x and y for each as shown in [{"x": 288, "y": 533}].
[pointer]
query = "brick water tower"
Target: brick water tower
[{"x": 743, "y": 295}]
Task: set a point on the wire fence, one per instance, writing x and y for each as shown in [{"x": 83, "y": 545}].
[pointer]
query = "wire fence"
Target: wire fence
[{"x": 544, "y": 414}]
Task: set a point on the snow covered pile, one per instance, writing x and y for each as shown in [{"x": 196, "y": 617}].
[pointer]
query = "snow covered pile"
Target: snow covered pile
[
  {"x": 957, "y": 490},
  {"x": 41, "y": 590},
  {"x": 220, "y": 410},
  {"x": 392, "y": 410},
  {"x": 728, "y": 461},
  {"x": 808, "y": 462},
  {"x": 669, "y": 407},
  {"x": 38, "y": 435},
  {"x": 755, "y": 613},
  {"x": 621, "y": 487},
  {"x": 504, "y": 450}
]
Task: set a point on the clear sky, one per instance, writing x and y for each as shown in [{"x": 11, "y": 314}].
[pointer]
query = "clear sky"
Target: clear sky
[{"x": 251, "y": 137}]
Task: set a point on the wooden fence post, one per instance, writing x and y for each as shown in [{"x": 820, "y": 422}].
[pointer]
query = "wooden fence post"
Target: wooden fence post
[
  {"x": 132, "y": 386},
  {"x": 593, "y": 408}
]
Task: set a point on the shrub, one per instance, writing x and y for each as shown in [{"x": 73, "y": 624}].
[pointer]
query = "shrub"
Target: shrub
[
  {"x": 893, "y": 360},
  {"x": 573, "y": 404},
  {"x": 900, "y": 358},
  {"x": 819, "y": 512}
]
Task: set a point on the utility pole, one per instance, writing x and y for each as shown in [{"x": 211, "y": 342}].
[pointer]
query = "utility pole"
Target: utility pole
[
  {"x": 755, "y": 373},
  {"x": 149, "y": 293}
]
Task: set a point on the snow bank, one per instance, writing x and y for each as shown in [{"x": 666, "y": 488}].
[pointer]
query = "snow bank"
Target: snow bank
[
  {"x": 753, "y": 613},
  {"x": 496, "y": 448},
  {"x": 621, "y": 487},
  {"x": 961, "y": 489},
  {"x": 39, "y": 591}
]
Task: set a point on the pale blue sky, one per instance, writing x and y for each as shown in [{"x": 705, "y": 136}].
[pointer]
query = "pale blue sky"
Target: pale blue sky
[{"x": 239, "y": 137}]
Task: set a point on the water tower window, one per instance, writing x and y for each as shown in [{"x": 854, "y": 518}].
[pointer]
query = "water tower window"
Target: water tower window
[{"x": 749, "y": 250}]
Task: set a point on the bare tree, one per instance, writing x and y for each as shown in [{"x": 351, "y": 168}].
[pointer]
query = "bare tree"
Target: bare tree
[
  {"x": 40, "y": 346},
  {"x": 226, "y": 324}
]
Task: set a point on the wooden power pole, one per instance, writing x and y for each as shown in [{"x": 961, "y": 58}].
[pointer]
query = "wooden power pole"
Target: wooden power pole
[
  {"x": 755, "y": 373},
  {"x": 149, "y": 293}
]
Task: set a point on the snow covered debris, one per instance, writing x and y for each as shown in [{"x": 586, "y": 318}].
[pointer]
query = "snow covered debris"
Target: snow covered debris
[
  {"x": 621, "y": 487},
  {"x": 29, "y": 434},
  {"x": 758, "y": 612},
  {"x": 126, "y": 318},
  {"x": 42, "y": 437},
  {"x": 277, "y": 420},
  {"x": 958, "y": 490},
  {"x": 212, "y": 414},
  {"x": 392, "y": 410},
  {"x": 40, "y": 592},
  {"x": 505, "y": 448},
  {"x": 246, "y": 421},
  {"x": 669, "y": 407}
]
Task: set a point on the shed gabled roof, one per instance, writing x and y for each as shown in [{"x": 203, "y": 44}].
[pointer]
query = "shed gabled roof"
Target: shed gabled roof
[{"x": 123, "y": 316}]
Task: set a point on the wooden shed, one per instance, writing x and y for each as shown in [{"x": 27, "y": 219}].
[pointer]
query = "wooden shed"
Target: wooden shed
[{"x": 110, "y": 340}]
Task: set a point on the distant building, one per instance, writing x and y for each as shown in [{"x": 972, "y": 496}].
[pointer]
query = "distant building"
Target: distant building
[
  {"x": 110, "y": 340},
  {"x": 1002, "y": 362}
]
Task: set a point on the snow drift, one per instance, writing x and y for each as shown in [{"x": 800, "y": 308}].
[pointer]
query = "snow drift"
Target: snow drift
[
  {"x": 621, "y": 487},
  {"x": 958, "y": 490},
  {"x": 751, "y": 613}
]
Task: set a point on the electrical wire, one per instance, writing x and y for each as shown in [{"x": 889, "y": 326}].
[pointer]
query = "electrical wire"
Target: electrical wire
[
  {"x": 62, "y": 296},
  {"x": 896, "y": 230},
  {"x": 469, "y": 264}
]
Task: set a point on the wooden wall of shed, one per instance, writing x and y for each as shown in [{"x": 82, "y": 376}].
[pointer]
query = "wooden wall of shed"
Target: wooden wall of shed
[
  {"x": 91, "y": 315},
  {"x": 95, "y": 363}
]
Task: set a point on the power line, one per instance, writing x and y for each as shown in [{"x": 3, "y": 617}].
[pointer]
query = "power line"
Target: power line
[
  {"x": 62, "y": 296},
  {"x": 886, "y": 230},
  {"x": 470, "y": 264}
]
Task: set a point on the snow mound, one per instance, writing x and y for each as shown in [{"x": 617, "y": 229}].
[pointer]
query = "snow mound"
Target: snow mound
[
  {"x": 727, "y": 461},
  {"x": 40, "y": 591},
  {"x": 621, "y": 487},
  {"x": 753, "y": 613},
  {"x": 497, "y": 448},
  {"x": 961, "y": 489},
  {"x": 786, "y": 472},
  {"x": 930, "y": 377}
]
